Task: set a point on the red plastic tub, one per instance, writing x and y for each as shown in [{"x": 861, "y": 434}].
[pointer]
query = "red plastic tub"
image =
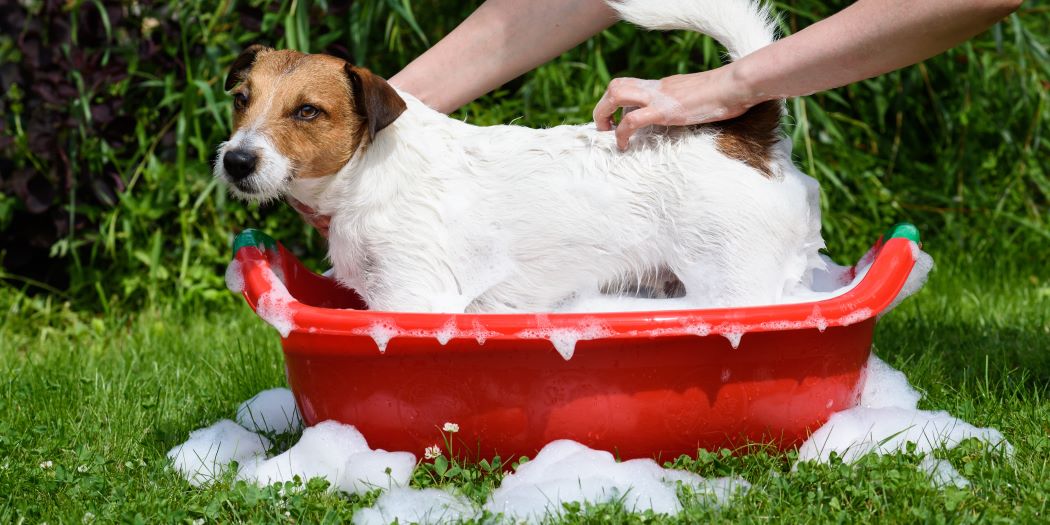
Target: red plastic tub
[{"x": 648, "y": 384}]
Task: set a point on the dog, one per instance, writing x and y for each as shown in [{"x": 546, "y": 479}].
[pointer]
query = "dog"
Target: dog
[{"x": 431, "y": 214}]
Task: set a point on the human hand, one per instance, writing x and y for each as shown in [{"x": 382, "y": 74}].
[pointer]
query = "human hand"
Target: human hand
[
  {"x": 678, "y": 100},
  {"x": 310, "y": 215}
]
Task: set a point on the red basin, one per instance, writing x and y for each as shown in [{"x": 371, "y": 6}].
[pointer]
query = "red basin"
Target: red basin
[{"x": 654, "y": 384}]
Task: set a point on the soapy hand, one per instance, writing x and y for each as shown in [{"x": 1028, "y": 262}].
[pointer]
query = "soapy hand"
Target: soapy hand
[
  {"x": 678, "y": 100},
  {"x": 310, "y": 215}
]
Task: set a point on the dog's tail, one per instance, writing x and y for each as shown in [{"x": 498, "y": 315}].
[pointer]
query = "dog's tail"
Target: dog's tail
[{"x": 742, "y": 26}]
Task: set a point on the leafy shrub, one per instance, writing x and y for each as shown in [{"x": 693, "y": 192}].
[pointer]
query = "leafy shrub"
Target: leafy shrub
[{"x": 110, "y": 113}]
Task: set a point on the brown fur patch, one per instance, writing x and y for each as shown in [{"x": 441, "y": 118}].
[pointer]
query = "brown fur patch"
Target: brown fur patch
[
  {"x": 278, "y": 83},
  {"x": 750, "y": 137},
  {"x": 242, "y": 64},
  {"x": 375, "y": 99}
]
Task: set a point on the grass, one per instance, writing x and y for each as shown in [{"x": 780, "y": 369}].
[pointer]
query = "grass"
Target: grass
[{"x": 103, "y": 398}]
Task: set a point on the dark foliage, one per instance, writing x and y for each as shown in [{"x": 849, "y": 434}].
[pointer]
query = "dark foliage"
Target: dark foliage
[{"x": 67, "y": 92}]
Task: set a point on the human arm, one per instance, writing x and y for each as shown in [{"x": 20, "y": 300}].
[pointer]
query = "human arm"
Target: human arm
[
  {"x": 866, "y": 39},
  {"x": 499, "y": 41}
]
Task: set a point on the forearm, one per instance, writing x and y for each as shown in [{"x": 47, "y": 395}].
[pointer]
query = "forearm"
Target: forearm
[
  {"x": 868, "y": 38},
  {"x": 499, "y": 41}
]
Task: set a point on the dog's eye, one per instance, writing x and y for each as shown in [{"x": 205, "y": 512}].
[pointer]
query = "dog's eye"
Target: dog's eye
[
  {"x": 307, "y": 112},
  {"x": 240, "y": 101}
]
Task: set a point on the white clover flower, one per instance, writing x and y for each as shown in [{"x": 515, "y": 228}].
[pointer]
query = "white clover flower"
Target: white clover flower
[
  {"x": 451, "y": 427},
  {"x": 149, "y": 24},
  {"x": 82, "y": 469},
  {"x": 198, "y": 521},
  {"x": 88, "y": 517},
  {"x": 47, "y": 464},
  {"x": 432, "y": 452}
]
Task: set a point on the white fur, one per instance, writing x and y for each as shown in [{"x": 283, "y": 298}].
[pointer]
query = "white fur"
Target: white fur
[
  {"x": 272, "y": 172},
  {"x": 439, "y": 215}
]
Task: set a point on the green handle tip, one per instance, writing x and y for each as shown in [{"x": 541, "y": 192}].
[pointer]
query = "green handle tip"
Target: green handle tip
[
  {"x": 253, "y": 237},
  {"x": 904, "y": 230}
]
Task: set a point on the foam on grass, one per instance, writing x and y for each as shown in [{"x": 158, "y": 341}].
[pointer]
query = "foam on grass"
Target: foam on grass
[
  {"x": 271, "y": 410},
  {"x": 338, "y": 453},
  {"x": 425, "y": 507},
  {"x": 330, "y": 450},
  {"x": 942, "y": 473},
  {"x": 565, "y": 471},
  {"x": 562, "y": 472},
  {"x": 208, "y": 451},
  {"x": 887, "y": 419}
]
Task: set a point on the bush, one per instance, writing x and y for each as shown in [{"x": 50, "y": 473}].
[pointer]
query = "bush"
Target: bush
[{"x": 112, "y": 111}]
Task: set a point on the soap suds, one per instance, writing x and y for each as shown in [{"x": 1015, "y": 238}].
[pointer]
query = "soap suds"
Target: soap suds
[
  {"x": 817, "y": 320},
  {"x": 274, "y": 306},
  {"x": 887, "y": 419},
  {"x": 734, "y": 338},
  {"x": 234, "y": 277},
  {"x": 381, "y": 333},
  {"x": 565, "y": 339},
  {"x": 447, "y": 332},
  {"x": 916, "y": 279},
  {"x": 271, "y": 410},
  {"x": 942, "y": 473},
  {"x": 208, "y": 451},
  {"x": 566, "y": 471},
  {"x": 480, "y": 333},
  {"x": 425, "y": 507},
  {"x": 338, "y": 453},
  {"x": 330, "y": 450}
]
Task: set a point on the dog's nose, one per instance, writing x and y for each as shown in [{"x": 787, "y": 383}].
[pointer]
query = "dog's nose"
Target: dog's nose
[{"x": 239, "y": 163}]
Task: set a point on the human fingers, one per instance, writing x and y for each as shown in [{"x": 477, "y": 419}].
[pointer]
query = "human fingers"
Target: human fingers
[
  {"x": 622, "y": 92},
  {"x": 634, "y": 121}
]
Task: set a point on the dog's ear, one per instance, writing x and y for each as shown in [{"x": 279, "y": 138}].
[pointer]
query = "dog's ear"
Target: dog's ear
[
  {"x": 375, "y": 100},
  {"x": 240, "y": 67}
]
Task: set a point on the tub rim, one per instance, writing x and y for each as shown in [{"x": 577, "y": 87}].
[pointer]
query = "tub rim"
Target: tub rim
[{"x": 892, "y": 257}]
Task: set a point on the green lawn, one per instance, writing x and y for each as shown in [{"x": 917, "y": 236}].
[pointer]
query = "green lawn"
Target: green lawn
[{"x": 104, "y": 398}]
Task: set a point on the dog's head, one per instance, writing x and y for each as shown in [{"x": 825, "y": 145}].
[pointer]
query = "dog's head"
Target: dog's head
[{"x": 298, "y": 116}]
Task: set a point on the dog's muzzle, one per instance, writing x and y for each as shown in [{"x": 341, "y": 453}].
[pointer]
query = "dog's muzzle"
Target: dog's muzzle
[{"x": 240, "y": 164}]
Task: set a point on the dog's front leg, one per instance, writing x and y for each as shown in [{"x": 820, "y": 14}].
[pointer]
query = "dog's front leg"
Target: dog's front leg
[{"x": 410, "y": 284}]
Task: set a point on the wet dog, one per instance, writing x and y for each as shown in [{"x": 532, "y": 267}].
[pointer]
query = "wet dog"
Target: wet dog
[{"x": 431, "y": 214}]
